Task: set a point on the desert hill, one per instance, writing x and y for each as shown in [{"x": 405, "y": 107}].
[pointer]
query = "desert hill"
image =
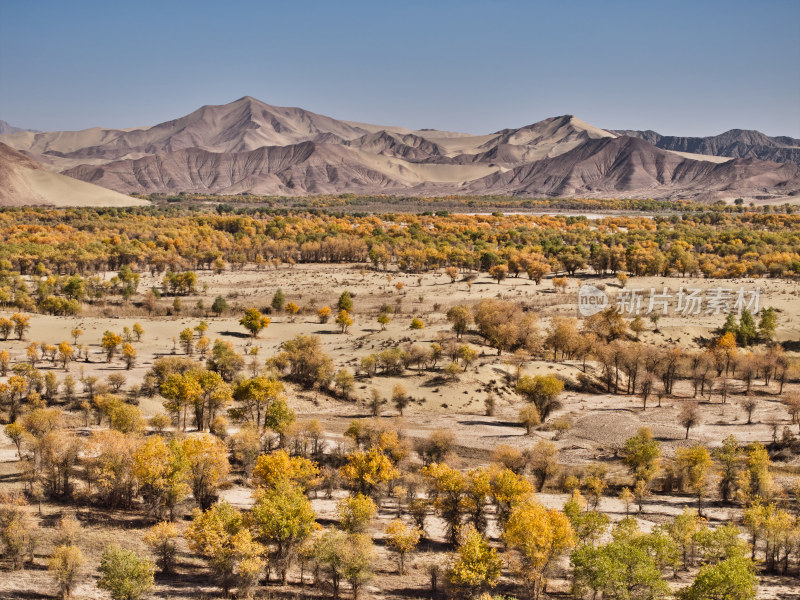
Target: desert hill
[
  {"x": 248, "y": 146},
  {"x": 24, "y": 182}
]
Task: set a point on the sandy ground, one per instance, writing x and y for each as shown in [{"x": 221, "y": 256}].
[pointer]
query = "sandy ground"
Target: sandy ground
[{"x": 600, "y": 422}]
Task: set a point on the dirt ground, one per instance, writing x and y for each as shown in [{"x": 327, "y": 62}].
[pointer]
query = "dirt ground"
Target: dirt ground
[{"x": 599, "y": 422}]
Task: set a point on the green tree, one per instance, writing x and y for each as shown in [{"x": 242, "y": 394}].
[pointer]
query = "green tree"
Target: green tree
[
  {"x": 624, "y": 569},
  {"x": 124, "y": 574},
  {"x": 642, "y": 454},
  {"x": 729, "y": 455},
  {"x": 767, "y": 324},
  {"x": 731, "y": 579},
  {"x": 278, "y": 300},
  {"x": 747, "y": 331},
  {"x": 461, "y": 318},
  {"x": 219, "y": 306},
  {"x": 345, "y": 302}
]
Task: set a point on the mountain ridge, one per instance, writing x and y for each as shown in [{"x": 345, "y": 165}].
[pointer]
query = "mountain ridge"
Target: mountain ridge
[{"x": 248, "y": 146}]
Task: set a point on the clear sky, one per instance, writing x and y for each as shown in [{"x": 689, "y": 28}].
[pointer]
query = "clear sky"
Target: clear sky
[{"x": 679, "y": 67}]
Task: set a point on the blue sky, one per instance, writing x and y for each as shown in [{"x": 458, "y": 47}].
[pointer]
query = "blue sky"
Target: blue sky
[{"x": 681, "y": 68}]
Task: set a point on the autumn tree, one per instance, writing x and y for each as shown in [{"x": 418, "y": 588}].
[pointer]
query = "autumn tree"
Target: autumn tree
[
  {"x": 283, "y": 517},
  {"x": 162, "y": 538},
  {"x": 542, "y": 391},
  {"x": 402, "y": 539},
  {"x": 66, "y": 564},
  {"x": 207, "y": 464},
  {"x": 324, "y": 314},
  {"x": 476, "y": 566},
  {"x": 221, "y": 537},
  {"x": 695, "y": 463},
  {"x": 538, "y": 536},
  {"x": 21, "y": 323},
  {"x": 278, "y": 469},
  {"x": 543, "y": 462},
  {"x": 344, "y": 320},
  {"x": 498, "y": 272},
  {"x": 365, "y": 471},
  {"x": 254, "y": 321},
  {"x": 449, "y": 487},
  {"x": 161, "y": 468},
  {"x": 110, "y": 343}
]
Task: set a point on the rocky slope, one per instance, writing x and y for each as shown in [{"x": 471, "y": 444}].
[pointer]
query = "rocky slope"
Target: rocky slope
[{"x": 736, "y": 143}]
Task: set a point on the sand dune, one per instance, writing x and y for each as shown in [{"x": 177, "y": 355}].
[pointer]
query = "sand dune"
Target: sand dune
[{"x": 24, "y": 182}]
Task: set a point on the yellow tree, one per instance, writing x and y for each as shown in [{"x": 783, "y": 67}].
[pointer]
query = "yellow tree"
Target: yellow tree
[
  {"x": 449, "y": 486},
  {"x": 110, "y": 344},
  {"x": 65, "y": 354},
  {"x": 365, "y": 471},
  {"x": 181, "y": 390},
  {"x": 129, "y": 355},
  {"x": 162, "y": 537},
  {"x": 161, "y": 470},
  {"x": 356, "y": 513},
  {"x": 476, "y": 565},
  {"x": 695, "y": 463},
  {"x": 344, "y": 320},
  {"x": 21, "y": 324},
  {"x": 220, "y": 536},
  {"x": 402, "y": 539},
  {"x": 537, "y": 536},
  {"x": 208, "y": 466},
  {"x": 66, "y": 564},
  {"x": 278, "y": 468},
  {"x": 323, "y": 314},
  {"x": 283, "y": 517},
  {"x": 292, "y": 309},
  {"x": 254, "y": 321}
]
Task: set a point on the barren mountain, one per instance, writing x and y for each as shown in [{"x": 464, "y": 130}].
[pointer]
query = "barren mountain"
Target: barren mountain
[
  {"x": 23, "y": 182},
  {"x": 250, "y": 146},
  {"x": 624, "y": 166},
  {"x": 736, "y": 143},
  {"x": 8, "y": 128}
]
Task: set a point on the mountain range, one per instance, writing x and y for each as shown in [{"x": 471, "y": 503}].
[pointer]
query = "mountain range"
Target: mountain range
[{"x": 248, "y": 146}]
